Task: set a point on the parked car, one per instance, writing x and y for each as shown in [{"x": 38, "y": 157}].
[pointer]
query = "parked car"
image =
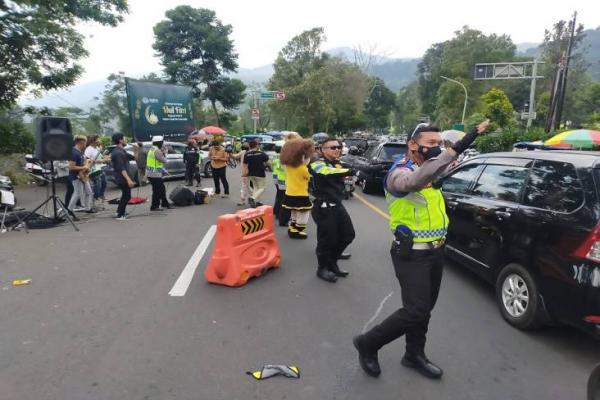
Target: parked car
[
  {"x": 529, "y": 223},
  {"x": 374, "y": 164},
  {"x": 175, "y": 166}
]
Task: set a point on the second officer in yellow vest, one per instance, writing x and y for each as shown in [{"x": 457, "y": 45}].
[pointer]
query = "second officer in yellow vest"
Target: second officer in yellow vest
[
  {"x": 419, "y": 222},
  {"x": 154, "y": 172}
]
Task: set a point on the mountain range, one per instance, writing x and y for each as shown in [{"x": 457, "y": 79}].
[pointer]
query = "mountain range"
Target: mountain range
[{"x": 395, "y": 72}]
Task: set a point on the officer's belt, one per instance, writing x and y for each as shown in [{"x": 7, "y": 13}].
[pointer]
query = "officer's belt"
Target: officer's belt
[{"x": 429, "y": 245}]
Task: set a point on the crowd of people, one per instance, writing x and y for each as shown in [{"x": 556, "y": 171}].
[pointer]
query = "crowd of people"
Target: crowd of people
[{"x": 309, "y": 180}]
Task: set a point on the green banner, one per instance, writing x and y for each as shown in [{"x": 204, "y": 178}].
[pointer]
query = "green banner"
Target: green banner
[{"x": 159, "y": 109}]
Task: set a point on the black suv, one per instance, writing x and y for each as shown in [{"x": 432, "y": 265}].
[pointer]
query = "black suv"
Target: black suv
[
  {"x": 374, "y": 165},
  {"x": 528, "y": 223}
]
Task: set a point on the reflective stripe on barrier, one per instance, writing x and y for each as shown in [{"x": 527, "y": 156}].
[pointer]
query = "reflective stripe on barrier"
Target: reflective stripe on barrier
[{"x": 253, "y": 225}]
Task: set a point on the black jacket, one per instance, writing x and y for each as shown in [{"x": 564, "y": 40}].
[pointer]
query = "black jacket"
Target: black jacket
[{"x": 328, "y": 179}]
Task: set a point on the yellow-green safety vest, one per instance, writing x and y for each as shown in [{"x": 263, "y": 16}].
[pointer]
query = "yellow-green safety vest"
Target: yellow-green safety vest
[
  {"x": 423, "y": 212},
  {"x": 278, "y": 173},
  {"x": 152, "y": 163}
]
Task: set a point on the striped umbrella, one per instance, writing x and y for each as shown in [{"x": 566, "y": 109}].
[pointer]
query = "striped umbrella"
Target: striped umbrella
[{"x": 576, "y": 139}]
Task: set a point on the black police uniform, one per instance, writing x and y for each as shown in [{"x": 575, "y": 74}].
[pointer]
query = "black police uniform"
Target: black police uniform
[
  {"x": 191, "y": 157},
  {"x": 334, "y": 226}
]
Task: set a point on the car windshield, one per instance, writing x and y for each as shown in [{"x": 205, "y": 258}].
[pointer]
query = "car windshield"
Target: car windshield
[
  {"x": 390, "y": 152},
  {"x": 268, "y": 146}
]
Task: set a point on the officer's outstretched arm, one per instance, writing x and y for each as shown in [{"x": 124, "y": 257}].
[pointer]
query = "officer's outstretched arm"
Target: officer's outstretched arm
[
  {"x": 403, "y": 180},
  {"x": 322, "y": 169}
]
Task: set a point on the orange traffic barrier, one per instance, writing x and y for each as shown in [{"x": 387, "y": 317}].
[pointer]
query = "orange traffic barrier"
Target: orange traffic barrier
[{"x": 245, "y": 247}]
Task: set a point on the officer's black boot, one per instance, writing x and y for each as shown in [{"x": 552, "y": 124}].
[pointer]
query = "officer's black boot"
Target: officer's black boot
[
  {"x": 344, "y": 256},
  {"x": 337, "y": 271},
  {"x": 367, "y": 358},
  {"x": 326, "y": 275},
  {"x": 423, "y": 365}
]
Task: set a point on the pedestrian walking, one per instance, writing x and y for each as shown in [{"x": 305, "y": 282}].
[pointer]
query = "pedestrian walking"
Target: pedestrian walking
[
  {"x": 120, "y": 163},
  {"x": 295, "y": 156},
  {"x": 257, "y": 165},
  {"x": 334, "y": 226},
  {"x": 155, "y": 172},
  {"x": 245, "y": 186},
  {"x": 218, "y": 162},
  {"x": 419, "y": 222}
]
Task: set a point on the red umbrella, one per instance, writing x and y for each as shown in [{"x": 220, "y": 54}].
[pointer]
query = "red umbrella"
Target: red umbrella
[{"x": 212, "y": 130}]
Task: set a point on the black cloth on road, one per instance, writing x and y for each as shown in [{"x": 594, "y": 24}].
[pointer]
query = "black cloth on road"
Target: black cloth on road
[
  {"x": 334, "y": 232},
  {"x": 219, "y": 175},
  {"x": 125, "y": 196},
  {"x": 159, "y": 193},
  {"x": 420, "y": 277}
]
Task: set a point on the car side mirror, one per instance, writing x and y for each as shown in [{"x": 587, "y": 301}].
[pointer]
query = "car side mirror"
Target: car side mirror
[{"x": 353, "y": 150}]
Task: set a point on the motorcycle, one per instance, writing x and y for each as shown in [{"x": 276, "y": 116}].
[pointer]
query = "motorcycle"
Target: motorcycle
[
  {"x": 349, "y": 182},
  {"x": 7, "y": 185},
  {"x": 41, "y": 171}
]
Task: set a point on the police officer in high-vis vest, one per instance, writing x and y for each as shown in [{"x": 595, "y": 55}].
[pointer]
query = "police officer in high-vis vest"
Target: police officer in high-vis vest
[
  {"x": 419, "y": 222},
  {"x": 281, "y": 213},
  {"x": 154, "y": 172}
]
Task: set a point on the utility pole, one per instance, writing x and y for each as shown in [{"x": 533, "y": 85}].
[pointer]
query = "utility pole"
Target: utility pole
[
  {"x": 531, "y": 110},
  {"x": 561, "y": 99},
  {"x": 466, "y": 96},
  {"x": 255, "y": 106}
]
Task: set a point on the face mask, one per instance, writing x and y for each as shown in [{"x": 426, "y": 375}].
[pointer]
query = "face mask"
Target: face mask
[{"x": 429, "y": 152}]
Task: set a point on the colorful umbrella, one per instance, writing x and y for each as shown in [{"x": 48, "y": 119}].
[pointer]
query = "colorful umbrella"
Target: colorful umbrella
[
  {"x": 452, "y": 135},
  {"x": 577, "y": 139},
  {"x": 212, "y": 130}
]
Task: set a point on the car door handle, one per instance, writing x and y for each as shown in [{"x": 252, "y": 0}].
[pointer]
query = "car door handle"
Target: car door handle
[
  {"x": 452, "y": 204},
  {"x": 502, "y": 214}
]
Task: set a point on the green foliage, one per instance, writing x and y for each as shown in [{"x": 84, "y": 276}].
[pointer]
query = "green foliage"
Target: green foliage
[
  {"x": 113, "y": 104},
  {"x": 322, "y": 93},
  {"x": 455, "y": 59},
  {"x": 39, "y": 46},
  {"x": 379, "y": 105},
  {"x": 15, "y": 137},
  {"x": 504, "y": 141},
  {"x": 195, "y": 49},
  {"x": 498, "y": 108},
  {"x": 407, "y": 109},
  {"x": 106, "y": 141}
]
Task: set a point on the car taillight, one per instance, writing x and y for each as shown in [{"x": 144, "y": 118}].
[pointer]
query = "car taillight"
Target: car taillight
[
  {"x": 593, "y": 319},
  {"x": 590, "y": 248}
]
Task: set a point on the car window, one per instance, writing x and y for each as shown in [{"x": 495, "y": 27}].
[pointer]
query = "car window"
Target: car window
[
  {"x": 372, "y": 152},
  {"x": 460, "y": 181},
  {"x": 175, "y": 149},
  {"x": 554, "y": 186},
  {"x": 501, "y": 182},
  {"x": 391, "y": 153}
]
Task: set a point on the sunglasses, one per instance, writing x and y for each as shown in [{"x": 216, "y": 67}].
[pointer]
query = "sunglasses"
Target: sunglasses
[{"x": 334, "y": 147}]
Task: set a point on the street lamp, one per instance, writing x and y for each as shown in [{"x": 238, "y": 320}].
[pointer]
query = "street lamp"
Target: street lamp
[{"x": 466, "y": 96}]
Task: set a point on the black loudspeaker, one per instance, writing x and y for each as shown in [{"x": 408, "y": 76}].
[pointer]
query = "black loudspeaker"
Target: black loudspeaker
[{"x": 53, "y": 138}]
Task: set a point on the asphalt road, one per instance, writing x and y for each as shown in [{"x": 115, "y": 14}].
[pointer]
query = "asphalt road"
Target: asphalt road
[{"x": 97, "y": 321}]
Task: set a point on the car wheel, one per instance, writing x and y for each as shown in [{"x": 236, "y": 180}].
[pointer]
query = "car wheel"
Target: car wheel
[
  {"x": 207, "y": 170},
  {"x": 518, "y": 297},
  {"x": 367, "y": 187}
]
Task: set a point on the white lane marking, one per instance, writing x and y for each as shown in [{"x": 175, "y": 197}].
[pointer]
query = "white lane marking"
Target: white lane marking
[
  {"x": 184, "y": 280},
  {"x": 369, "y": 322}
]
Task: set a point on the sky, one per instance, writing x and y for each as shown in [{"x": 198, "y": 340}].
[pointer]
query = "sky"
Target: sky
[{"x": 400, "y": 29}]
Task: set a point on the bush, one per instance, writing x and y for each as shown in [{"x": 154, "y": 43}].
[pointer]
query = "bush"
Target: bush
[
  {"x": 15, "y": 137},
  {"x": 504, "y": 141}
]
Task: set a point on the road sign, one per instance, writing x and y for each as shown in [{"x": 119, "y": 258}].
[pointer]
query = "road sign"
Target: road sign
[
  {"x": 270, "y": 95},
  {"x": 280, "y": 95},
  {"x": 255, "y": 112},
  {"x": 525, "y": 115}
]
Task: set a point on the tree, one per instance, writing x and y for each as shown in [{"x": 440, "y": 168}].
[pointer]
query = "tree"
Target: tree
[
  {"x": 195, "y": 50},
  {"x": 379, "y": 105},
  {"x": 14, "y": 135},
  {"x": 408, "y": 108},
  {"x": 455, "y": 59},
  {"x": 39, "y": 46},
  {"x": 498, "y": 107}
]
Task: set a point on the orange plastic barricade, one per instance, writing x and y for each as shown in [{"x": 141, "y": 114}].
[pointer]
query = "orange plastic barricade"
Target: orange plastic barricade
[{"x": 245, "y": 247}]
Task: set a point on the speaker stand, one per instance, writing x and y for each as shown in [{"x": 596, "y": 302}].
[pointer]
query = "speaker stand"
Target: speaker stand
[{"x": 56, "y": 203}]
